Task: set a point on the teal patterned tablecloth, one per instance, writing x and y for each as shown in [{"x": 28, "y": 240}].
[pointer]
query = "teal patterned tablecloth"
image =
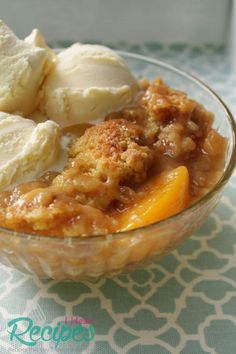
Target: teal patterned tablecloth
[{"x": 185, "y": 303}]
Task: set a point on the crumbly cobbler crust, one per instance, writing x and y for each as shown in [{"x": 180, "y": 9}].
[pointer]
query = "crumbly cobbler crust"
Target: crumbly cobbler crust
[{"x": 162, "y": 130}]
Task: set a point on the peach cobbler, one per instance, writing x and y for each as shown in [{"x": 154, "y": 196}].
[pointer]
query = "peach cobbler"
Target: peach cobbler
[{"x": 89, "y": 150}]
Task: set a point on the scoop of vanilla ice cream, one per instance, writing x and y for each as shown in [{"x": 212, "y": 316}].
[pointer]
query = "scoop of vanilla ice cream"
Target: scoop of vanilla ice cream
[
  {"x": 23, "y": 67},
  {"x": 37, "y": 39},
  {"x": 87, "y": 82},
  {"x": 26, "y": 149}
]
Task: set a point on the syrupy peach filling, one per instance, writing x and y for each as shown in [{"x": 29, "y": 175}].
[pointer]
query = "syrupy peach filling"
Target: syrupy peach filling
[{"x": 112, "y": 163}]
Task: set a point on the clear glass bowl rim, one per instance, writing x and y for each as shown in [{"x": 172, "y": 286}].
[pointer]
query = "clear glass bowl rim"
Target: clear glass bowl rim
[{"x": 229, "y": 168}]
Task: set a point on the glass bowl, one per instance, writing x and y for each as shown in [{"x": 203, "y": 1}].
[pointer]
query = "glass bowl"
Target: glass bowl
[{"x": 79, "y": 258}]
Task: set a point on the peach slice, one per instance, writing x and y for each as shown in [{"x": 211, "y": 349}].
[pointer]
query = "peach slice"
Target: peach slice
[{"x": 163, "y": 195}]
